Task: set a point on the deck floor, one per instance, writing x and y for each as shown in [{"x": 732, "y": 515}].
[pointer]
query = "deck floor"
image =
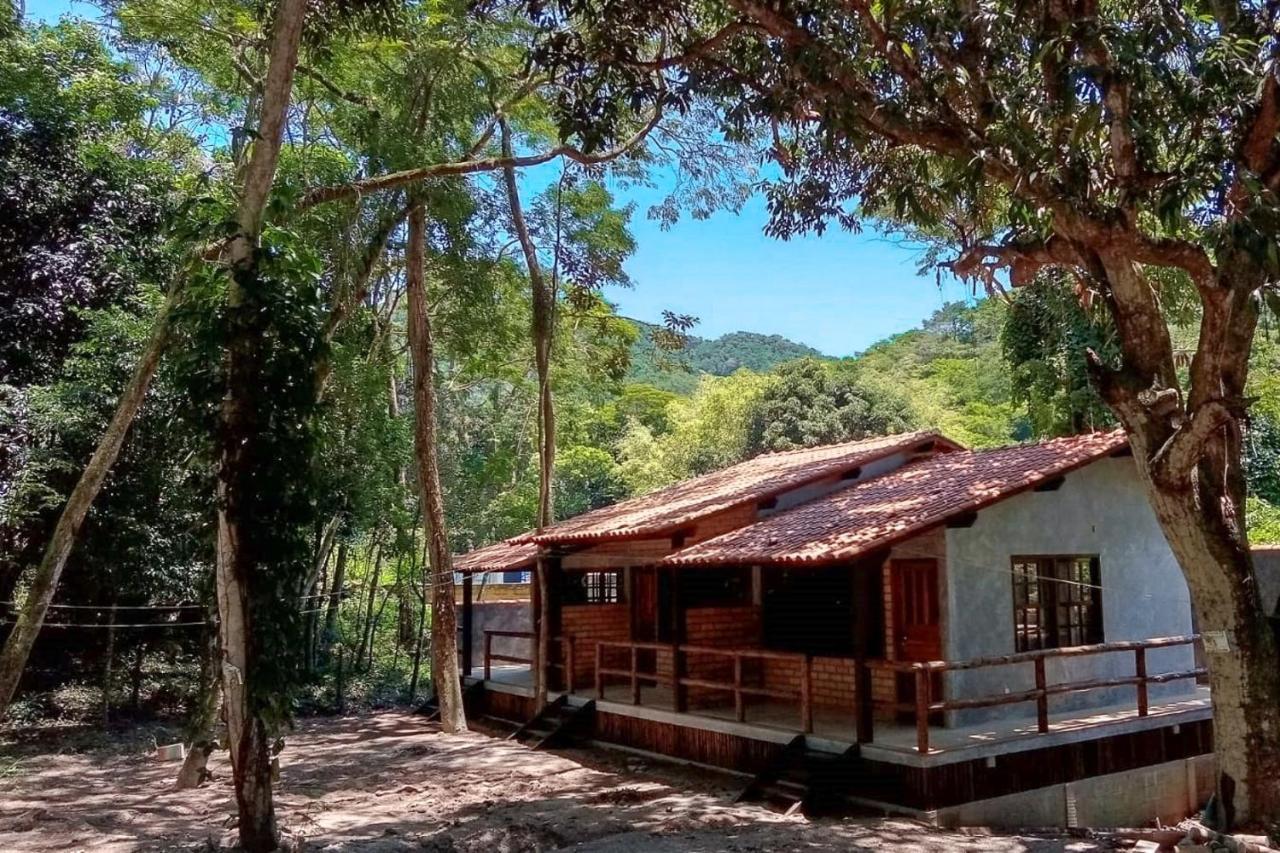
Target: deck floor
[{"x": 838, "y": 726}]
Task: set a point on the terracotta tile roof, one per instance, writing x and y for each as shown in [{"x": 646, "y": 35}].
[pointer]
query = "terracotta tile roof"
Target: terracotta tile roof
[
  {"x": 500, "y": 556},
  {"x": 681, "y": 504},
  {"x": 878, "y": 512}
]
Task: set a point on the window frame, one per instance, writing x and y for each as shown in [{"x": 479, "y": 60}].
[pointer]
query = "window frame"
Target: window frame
[
  {"x": 1064, "y": 592},
  {"x": 593, "y": 587}
]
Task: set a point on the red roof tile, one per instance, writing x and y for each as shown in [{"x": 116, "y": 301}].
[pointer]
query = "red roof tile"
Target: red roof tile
[
  {"x": 878, "y": 512},
  {"x": 500, "y": 556},
  {"x": 676, "y": 506}
]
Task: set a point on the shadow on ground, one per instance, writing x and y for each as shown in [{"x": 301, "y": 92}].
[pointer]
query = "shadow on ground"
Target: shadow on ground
[{"x": 390, "y": 782}]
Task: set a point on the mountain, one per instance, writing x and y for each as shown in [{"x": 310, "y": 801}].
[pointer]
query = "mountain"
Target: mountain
[{"x": 678, "y": 371}]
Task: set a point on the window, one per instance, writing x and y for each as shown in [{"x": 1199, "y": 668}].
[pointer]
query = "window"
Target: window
[
  {"x": 515, "y": 577},
  {"x": 593, "y": 587},
  {"x": 1057, "y": 601}
]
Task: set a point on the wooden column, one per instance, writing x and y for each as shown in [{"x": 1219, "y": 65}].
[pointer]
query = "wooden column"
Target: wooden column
[
  {"x": 536, "y": 604},
  {"x": 806, "y": 694},
  {"x": 679, "y": 692},
  {"x": 555, "y": 623},
  {"x": 922, "y": 710},
  {"x": 468, "y": 623},
  {"x": 864, "y": 600}
]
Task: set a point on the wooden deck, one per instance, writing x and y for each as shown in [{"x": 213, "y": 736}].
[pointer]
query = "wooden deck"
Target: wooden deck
[
  {"x": 724, "y": 694},
  {"x": 777, "y": 721}
]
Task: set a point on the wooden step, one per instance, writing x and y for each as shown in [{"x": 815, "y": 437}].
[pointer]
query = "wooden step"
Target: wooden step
[
  {"x": 556, "y": 723},
  {"x": 802, "y": 778}
]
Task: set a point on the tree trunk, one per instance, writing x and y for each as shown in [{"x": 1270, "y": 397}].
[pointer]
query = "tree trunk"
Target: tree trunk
[
  {"x": 543, "y": 305},
  {"x": 237, "y": 565},
  {"x": 330, "y": 632},
  {"x": 201, "y": 737},
  {"x": 444, "y": 620},
  {"x": 17, "y": 648},
  {"x": 373, "y": 630},
  {"x": 1240, "y": 640},
  {"x": 135, "y": 678},
  {"x": 366, "y": 629},
  {"x": 423, "y": 596},
  {"x": 108, "y": 675}
]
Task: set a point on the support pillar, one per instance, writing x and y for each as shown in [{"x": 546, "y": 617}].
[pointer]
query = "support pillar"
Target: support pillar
[{"x": 468, "y": 623}]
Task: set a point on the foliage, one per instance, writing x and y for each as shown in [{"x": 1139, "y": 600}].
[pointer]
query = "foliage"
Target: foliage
[
  {"x": 811, "y": 404},
  {"x": 951, "y": 374},
  {"x": 81, "y": 218},
  {"x": 1044, "y": 340}
]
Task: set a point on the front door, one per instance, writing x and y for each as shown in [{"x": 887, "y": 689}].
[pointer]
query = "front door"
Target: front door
[
  {"x": 644, "y": 615},
  {"x": 917, "y": 633}
]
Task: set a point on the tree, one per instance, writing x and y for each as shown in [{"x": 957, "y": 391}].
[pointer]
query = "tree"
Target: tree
[
  {"x": 249, "y": 547},
  {"x": 444, "y": 623},
  {"x": 1134, "y": 147},
  {"x": 812, "y": 404}
]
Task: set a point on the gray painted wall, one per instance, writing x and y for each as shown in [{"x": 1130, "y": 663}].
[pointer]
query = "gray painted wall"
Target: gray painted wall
[
  {"x": 1100, "y": 509},
  {"x": 499, "y": 616}
]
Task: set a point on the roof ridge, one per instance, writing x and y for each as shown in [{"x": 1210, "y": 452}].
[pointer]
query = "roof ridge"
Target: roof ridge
[
  {"x": 893, "y": 435},
  {"x": 1045, "y": 442}
]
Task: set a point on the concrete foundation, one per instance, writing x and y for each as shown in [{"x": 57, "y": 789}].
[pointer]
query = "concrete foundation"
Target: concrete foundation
[{"x": 1166, "y": 792}]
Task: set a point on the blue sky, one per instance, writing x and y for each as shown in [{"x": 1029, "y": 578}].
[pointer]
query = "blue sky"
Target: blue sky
[{"x": 839, "y": 293}]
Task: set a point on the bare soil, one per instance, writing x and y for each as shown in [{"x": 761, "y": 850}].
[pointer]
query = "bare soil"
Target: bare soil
[{"x": 390, "y": 782}]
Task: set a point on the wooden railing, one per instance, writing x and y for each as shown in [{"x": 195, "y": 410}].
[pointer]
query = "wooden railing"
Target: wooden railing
[
  {"x": 566, "y": 644},
  {"x": 924, "y": 673},
  {"x": 490, "y": 657},
  {"x": 679, "y": 682}
]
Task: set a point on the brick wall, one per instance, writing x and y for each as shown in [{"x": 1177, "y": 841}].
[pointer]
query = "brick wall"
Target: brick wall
[{"x": 586, "y": 623}]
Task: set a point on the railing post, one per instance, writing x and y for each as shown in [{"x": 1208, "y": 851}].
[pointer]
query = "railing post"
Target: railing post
[
  {"x": 922, "y": 710},
  {"x": 806, "y": 694},
  {"x": 488, "y": 655},
  {"x": 599, "y": 674},
  {"x": 1140, "y": 670},
  {"x": 566, "y": 643},
  {"x": 739, "y": 710},
  {"x": 1042, "y": 698},
  {"x": 635, "y": 676}
]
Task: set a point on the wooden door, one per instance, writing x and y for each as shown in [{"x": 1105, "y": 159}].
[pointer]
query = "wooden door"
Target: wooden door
[
  {"x": 644, "y": 615},
  {"x": 917, "y": 634}
]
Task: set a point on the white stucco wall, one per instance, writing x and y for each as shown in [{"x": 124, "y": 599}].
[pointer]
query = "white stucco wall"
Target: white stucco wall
[{"x": 1099, "y": 509}]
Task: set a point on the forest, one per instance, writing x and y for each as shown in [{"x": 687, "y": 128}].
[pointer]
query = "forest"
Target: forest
[{"x": 299, "y": 299}]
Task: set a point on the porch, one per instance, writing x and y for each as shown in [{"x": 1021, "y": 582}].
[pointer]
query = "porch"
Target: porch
[{"x": 776, "y": 695}]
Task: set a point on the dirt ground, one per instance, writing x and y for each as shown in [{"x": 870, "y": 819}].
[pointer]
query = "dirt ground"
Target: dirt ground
[{"x": 390, "y": 782}]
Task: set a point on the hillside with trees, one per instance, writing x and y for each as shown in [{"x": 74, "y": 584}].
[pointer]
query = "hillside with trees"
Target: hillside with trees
[{"x": 679, "y": 369}]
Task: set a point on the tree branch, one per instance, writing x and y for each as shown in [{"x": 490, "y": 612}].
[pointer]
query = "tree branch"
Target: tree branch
[
  {"x": 1178, "y": 456},
  {"x": 334, "y": 89},
  {"x": 1023, "y": 260},
  {"x": 321, "y": 195}
]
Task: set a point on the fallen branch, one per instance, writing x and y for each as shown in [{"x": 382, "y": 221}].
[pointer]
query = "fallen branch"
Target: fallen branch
[{"x": 1201, "y": 834}]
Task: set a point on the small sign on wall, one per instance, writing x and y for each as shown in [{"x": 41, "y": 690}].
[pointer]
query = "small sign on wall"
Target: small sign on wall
[{"x": 1217, "y": 641}]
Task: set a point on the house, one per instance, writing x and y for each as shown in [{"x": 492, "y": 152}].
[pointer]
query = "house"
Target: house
[{"x": 958, "y": 625}]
